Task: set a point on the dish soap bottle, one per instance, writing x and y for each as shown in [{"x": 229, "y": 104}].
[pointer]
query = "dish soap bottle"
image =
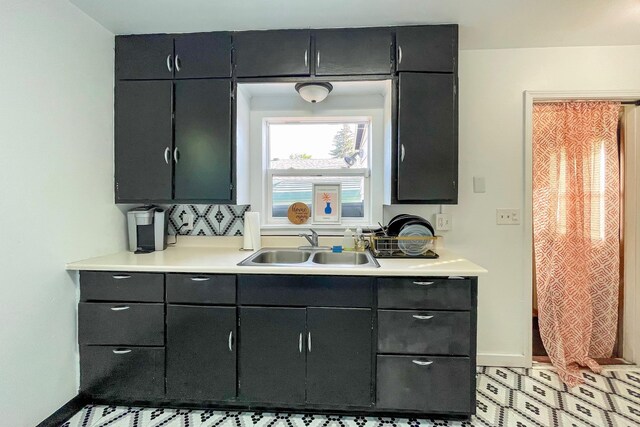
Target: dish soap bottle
[{"x": 347, "y": 240}]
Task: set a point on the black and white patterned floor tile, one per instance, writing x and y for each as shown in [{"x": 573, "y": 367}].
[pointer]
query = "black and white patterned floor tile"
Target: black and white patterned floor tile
[{"x": 505, "y": 397}]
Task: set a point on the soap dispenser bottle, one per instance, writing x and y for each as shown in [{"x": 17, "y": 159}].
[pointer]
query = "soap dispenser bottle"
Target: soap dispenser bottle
[{"x": 347, "y": 240}]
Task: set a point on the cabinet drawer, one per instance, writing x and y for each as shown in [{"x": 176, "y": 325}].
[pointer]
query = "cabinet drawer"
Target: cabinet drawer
[
  {"x": 424, "y": 293},
  {"x": 201, "y": 288},
  {"x": 425, "y": 384},
  {"x": 121, "y": 324},
  {"x": 302, "y": 291},
  {"x": 119, "y": 286},
  {"x": 122, "y": 372},
  {"x": 424, "y": 332}
]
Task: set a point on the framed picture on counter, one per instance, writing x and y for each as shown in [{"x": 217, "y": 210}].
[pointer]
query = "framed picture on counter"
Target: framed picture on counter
[{"x": 326, "y": 203}]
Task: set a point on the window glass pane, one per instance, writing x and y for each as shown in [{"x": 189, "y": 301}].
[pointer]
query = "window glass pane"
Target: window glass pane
[
  {"x": 290, "y": 189},
  {"x": 318, "y": 145}
]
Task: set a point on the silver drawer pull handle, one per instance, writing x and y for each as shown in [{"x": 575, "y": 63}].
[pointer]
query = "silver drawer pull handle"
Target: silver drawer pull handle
[
  {"x": 167, "y": 153},
  {"x": 121, "y": 351},
  {"x": 401, "y": 153},
  {"x": 422, "y": 363},
  {"x": 231, "y": 341},
  {"x": 300, "y": 343},
  {"x": 306, "y": 57},
  {"x": 121, "y": 276},
  {"x": 200, "y": 279},
  {"x": 122, "y": 307},
  {"x": 456, "y": 277},
  {"x": 419, "y": 317},
  {"x": 309, "y": 342},
  {"x": 177, "y": 62},
  {"x": 423, "y": 283},
  {"x": 399, "y": 55},
  {"x": 169, "y": 63}
]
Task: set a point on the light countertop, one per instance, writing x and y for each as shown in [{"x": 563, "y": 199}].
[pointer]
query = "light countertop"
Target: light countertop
[{"x": 217, "y": 259}]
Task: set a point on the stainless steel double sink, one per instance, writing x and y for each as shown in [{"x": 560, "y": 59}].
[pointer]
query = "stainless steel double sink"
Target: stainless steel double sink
[{"x": 310, "y": 258}]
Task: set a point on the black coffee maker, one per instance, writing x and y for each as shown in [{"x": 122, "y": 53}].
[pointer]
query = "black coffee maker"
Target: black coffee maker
[{"x": 148, "y": 226}]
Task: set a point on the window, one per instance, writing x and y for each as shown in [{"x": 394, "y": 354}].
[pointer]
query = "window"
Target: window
[{"x": 302, "y": 151}]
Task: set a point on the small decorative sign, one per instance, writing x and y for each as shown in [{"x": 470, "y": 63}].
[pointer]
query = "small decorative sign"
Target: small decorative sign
[
  {"x": 298, "y": 213},
  {"x": 326, "y": 203}
]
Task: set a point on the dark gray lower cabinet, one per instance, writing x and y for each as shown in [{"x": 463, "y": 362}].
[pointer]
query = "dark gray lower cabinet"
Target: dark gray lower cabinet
[
  {"x": 272, "y": 355},
  {"x": 201, "y": 356},
  {"x": 122, "y": 372},
  {"x": 425, "y": 384},
  {"x": 339, "y": 356}
]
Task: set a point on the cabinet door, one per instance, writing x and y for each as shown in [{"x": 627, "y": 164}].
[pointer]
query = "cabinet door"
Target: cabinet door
[
  {"x": 201, "y": 357},
  {"x": 430, "y": 48},
  {"x": 143, "y": 141},
  {"x": 427, "y": 138},
  {"x": 203, "y": 140},
  {"x": 203, "y": 55},
  {"x": 144, "y": 57},
  {"x": 339, "y": 347},
  {"x": 353, "y": 51},
  {"x": 272, "y": 355},
  {"x": 272, "y": 53}
]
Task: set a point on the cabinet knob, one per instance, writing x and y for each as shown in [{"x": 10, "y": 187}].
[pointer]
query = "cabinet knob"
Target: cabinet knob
[
  {"x": 121, "y": 276},
  {"x": 123, "y": 351},
  {"x": 231, "y": 341},
  {"x": 318, "y": 59},
  {"x": 176, "y": 155},
  {"x": 167, "y": 153},
  {"x": 120, "y": 308},
  {"x": 178, "y": 63},
  {"x": 309, "y": 342},
  {"x": 422, "y": 362},
  {"x": 399, "y": 55},
  {"x": 306, "y": 57},
  {"x": 300, "y": 343},
  {"x": 401, "y": 152},
  {"x": 200, "y": 279},
  {"x": 169, "y": 66}
]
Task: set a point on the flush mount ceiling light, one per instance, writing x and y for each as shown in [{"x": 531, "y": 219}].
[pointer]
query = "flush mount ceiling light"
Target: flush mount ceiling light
[{"x": 314, "y": 92}]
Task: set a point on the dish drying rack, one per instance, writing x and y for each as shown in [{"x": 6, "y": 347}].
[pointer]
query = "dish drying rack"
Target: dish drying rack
[{"x": 389, "y": 246}]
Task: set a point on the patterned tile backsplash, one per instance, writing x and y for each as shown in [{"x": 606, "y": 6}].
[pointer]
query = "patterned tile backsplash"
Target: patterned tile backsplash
[{"x": 209, "y": 220}]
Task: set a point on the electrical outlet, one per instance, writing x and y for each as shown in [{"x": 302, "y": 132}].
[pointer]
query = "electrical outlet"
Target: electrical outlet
[
  {"x": 443, "y": 222},
  {"x": 188, "y": 219},
  {"x": 507, "y": 216}
]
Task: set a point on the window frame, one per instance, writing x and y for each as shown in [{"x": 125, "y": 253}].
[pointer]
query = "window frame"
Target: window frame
[{"x": 267, "y": 174}]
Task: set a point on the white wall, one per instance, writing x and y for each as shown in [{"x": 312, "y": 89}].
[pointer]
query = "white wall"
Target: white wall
[
  {"x": 492, "y": 83},
  {"x": 56, "y": 197}
]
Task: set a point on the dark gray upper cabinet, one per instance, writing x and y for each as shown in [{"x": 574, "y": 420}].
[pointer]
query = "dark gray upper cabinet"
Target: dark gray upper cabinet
[
  {"x": 272, "y": 355},
  {"x": 147, "y": 56},
  {"x": 154, "y": 56},
  {"x": 202, "y": 154},
  {"x": 202, "y": 55},
  {"x": 143, "y": 141},
  {"x": 272, "y": 53},
  {"x": 201, "y": 352},
  {"x": 429, "y": 48},
  {"x": 353, "y": 51},
  {"x": 427, "y": 157},
  {"x": 339, "y": 347}
]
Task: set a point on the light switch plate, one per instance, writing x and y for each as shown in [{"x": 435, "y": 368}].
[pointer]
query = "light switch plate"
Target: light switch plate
[
  {"x": 443, "y": 222},
  {"x": 479, "y": 185},
  {"x": 507, "y": 216}
]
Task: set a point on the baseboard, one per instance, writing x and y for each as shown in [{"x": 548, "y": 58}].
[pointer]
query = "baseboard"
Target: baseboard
[
  {"x": 67, "y": 411},
  {"x": 506, "y": 360}
]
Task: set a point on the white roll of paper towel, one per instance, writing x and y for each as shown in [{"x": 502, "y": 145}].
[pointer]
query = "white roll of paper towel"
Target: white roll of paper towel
[{"x": 252, "y": 231}]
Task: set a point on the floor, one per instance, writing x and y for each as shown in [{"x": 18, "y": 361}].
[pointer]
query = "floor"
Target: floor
[{"x": 505, "y": 397}]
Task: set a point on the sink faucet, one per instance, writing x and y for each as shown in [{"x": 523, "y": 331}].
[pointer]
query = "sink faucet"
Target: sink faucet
[{"x": 313, "y": 239}]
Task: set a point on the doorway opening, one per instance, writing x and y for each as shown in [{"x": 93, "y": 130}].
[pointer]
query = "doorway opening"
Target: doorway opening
[{"x": 625, "y": 153}]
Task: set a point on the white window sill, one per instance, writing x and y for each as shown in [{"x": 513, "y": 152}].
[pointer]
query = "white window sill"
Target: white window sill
[{"x": 321, "y": 229}]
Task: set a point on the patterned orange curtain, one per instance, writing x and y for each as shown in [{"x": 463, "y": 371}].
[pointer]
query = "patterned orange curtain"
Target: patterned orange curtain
[{"x": 576, "y": 223}]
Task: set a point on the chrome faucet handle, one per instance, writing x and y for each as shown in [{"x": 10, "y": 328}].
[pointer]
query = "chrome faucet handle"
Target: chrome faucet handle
[{"x": 313, "y": 239}]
